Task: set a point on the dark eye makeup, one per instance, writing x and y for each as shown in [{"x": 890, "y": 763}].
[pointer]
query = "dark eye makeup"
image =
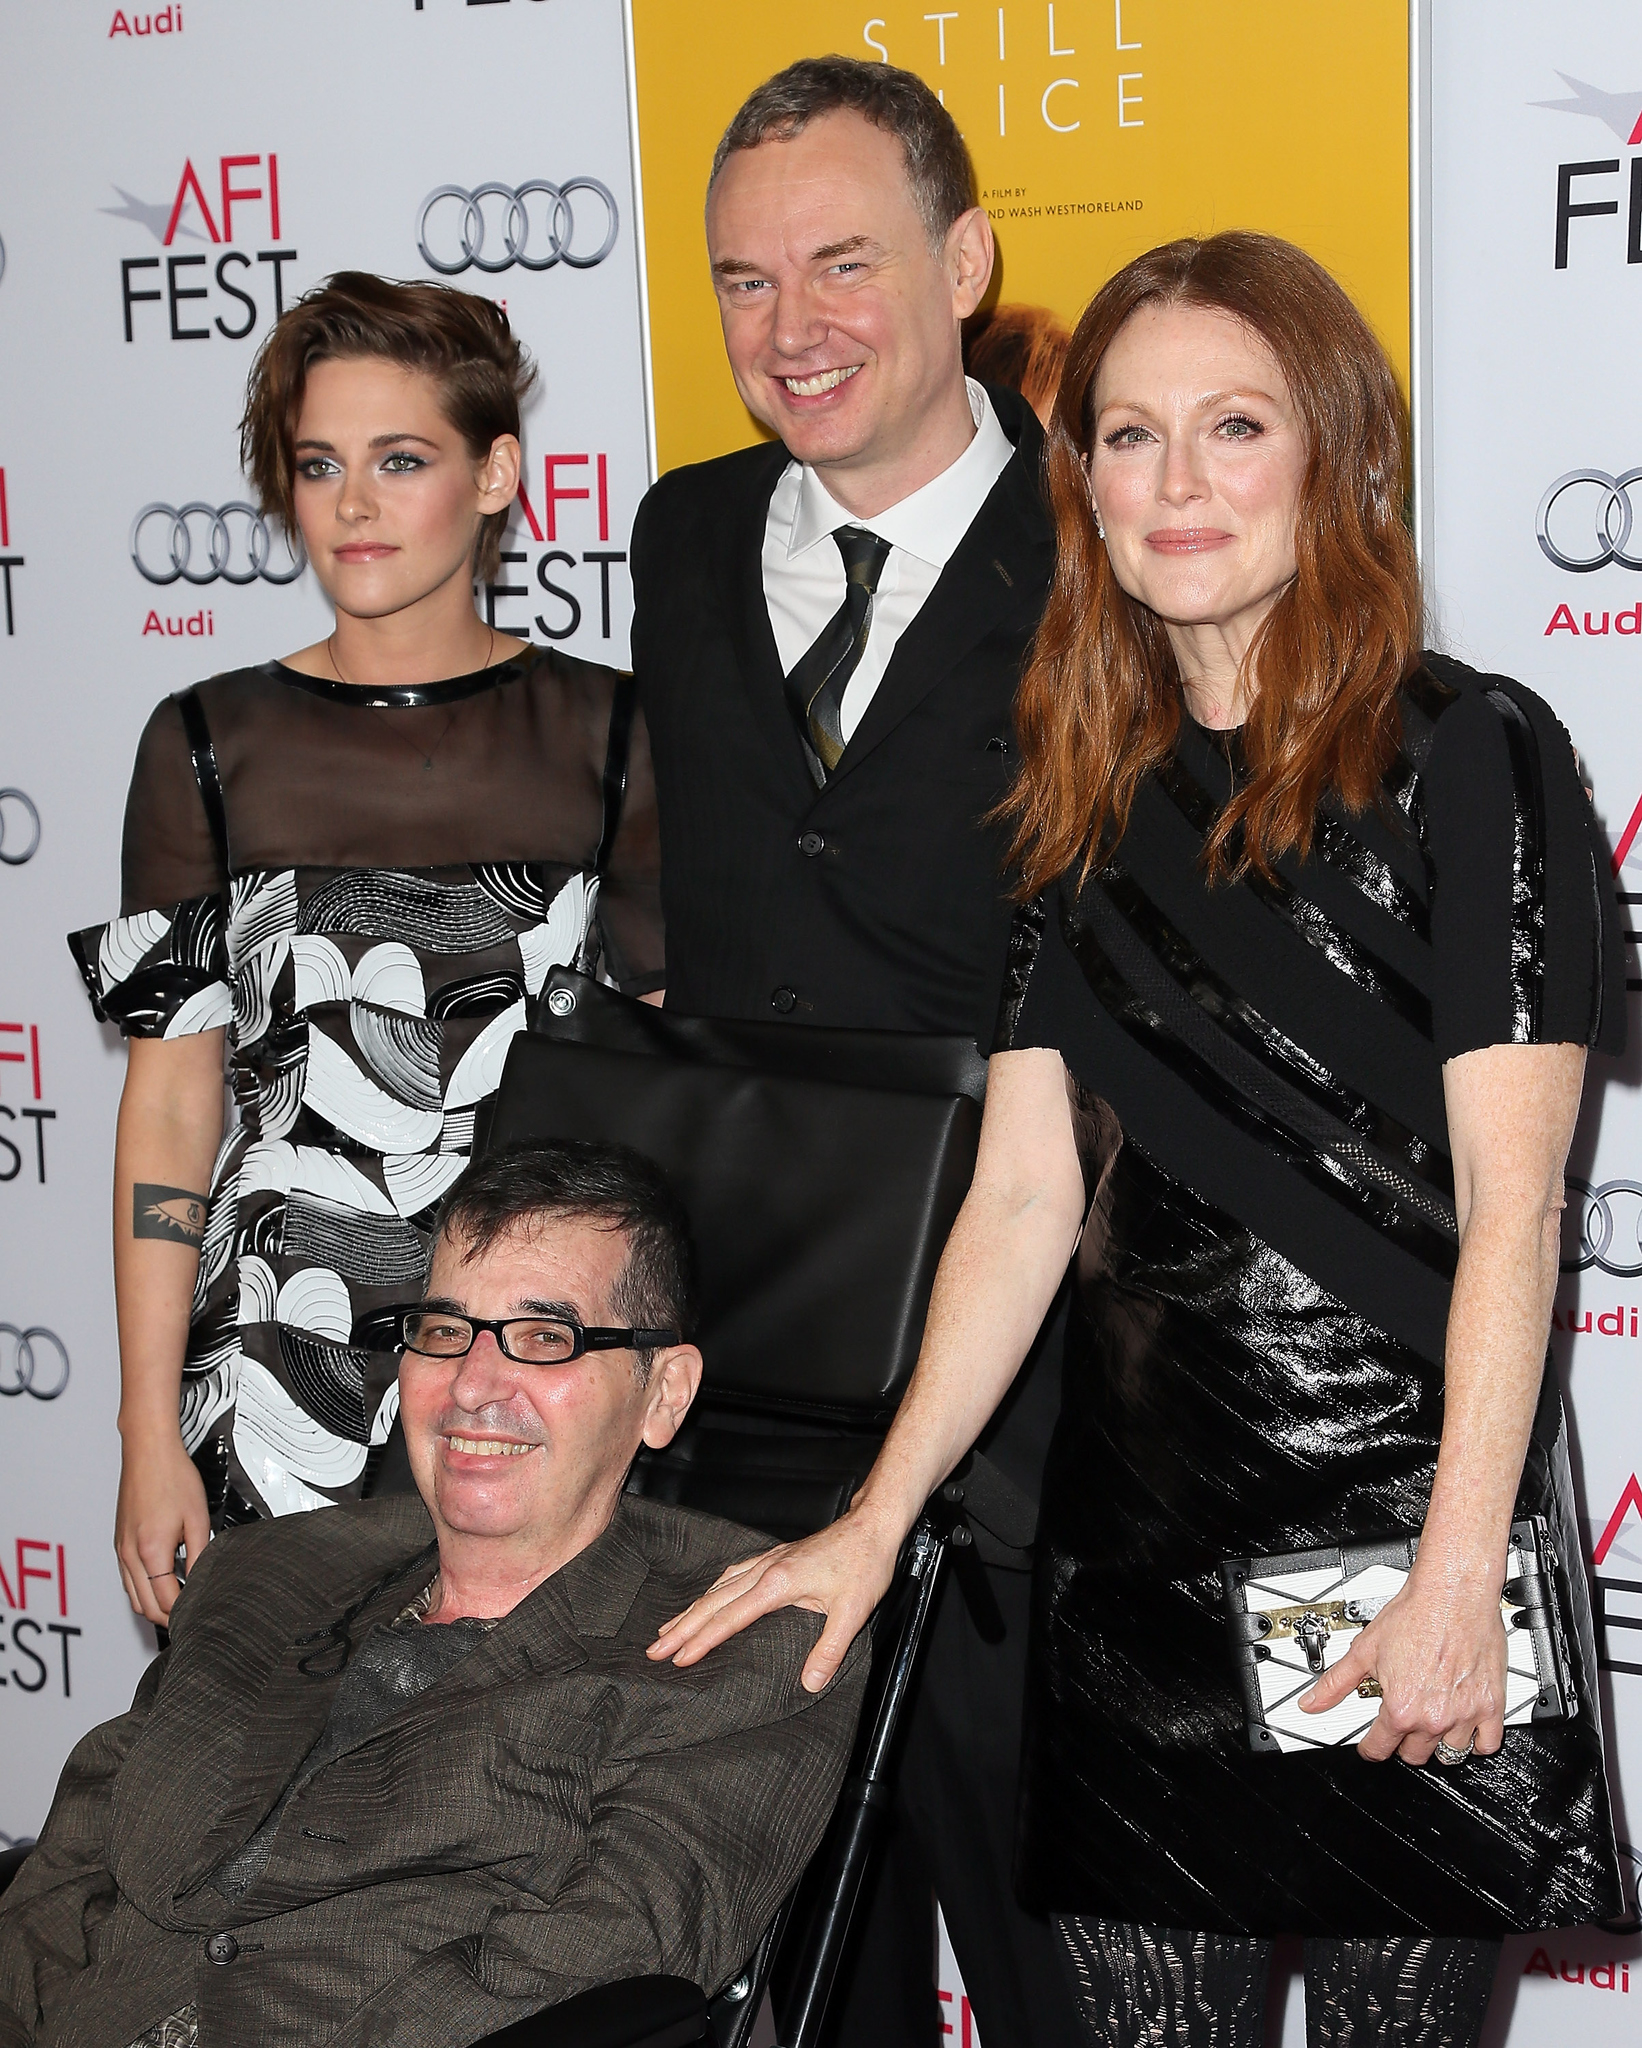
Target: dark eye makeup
[{"x": 397, "y": 462}]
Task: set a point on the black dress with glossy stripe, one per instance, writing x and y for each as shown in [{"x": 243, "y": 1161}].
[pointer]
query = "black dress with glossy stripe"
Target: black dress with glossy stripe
[{"x": 1255, "y": 1365}]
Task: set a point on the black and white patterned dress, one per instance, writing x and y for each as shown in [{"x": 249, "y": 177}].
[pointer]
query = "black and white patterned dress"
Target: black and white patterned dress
[{"x": 403, "y": 867}]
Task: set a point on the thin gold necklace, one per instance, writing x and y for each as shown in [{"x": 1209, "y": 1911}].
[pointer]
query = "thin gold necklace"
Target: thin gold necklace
[{"x": 405, "y": 739}]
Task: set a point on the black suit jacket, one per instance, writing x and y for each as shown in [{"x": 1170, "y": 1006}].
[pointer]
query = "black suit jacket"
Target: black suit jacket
[{"x": 879, "y": 900}]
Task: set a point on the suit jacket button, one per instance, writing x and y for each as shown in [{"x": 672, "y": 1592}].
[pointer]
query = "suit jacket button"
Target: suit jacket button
[
  {"x": 811, "y": 844},
  {"x": 783, "y": 999},
  {"x": 221, "y": 1948}
]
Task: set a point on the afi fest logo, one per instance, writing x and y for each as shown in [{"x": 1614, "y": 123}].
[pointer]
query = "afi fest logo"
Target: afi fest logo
[
  {"x": 1627, "y": 867},
  {"x": 1590, "y": 188},
  {"x": 8, "y": 561},
  {"x": 1618, "y": 1596},
  {"x": 20, "y": 1047},
  {"x": 34, "y": 1609},
  {"x": 582, "y": 480},
  {"x": 249, "y": 284}
]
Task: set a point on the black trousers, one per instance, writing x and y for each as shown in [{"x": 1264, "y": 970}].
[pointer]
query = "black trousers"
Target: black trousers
[
  {"x": 1161, "y": 1987},
  {"x": 953, "y": 1832}
]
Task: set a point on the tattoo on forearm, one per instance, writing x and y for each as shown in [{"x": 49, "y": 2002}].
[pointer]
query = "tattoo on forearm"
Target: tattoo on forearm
[{"x": 173, "y": 1214}]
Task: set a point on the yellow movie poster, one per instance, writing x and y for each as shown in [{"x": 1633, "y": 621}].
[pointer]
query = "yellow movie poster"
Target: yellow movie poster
[{"x": 1098, "y": 128}]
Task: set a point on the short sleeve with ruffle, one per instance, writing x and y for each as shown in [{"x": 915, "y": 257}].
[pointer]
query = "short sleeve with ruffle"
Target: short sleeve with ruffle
[{"x": 160, "y": 969}]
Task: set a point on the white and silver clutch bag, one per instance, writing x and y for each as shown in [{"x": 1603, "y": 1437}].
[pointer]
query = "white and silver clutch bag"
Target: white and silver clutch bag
[{"x": 1294, "y": 1617}]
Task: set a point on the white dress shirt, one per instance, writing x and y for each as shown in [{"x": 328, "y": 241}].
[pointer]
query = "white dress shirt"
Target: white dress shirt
[{"x": 804, "y": 572}]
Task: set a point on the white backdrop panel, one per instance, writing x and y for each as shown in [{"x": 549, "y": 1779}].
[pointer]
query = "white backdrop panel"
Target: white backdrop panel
[
  {"x": 1536, "y": 283},
  {"x": 239, "y": 150}
]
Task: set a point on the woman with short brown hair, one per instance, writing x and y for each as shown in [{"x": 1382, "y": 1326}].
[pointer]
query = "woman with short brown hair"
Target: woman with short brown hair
[
  {"x": 353, "y": 865},
  {"x": 1314, "y": 942}
]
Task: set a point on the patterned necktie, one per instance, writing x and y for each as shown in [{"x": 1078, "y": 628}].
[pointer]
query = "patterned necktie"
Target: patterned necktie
[{"x": 815, "y": 689}]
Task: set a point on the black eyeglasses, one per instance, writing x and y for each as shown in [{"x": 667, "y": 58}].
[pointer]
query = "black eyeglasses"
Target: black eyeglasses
[{"x": 527, "y": 1340}]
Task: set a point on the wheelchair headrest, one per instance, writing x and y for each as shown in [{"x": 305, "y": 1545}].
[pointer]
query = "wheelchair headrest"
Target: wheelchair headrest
[{"x": 819, "y": 1206}]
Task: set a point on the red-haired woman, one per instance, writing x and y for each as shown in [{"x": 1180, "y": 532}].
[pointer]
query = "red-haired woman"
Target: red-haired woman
[
  {"x": 1315, "y": 942},
  {"x": 354, "y": 865}
]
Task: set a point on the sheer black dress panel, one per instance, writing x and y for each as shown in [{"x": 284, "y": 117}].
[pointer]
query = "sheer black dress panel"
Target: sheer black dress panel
[
  {"x": 402, "y": 872},
  {"x": 1255, "y": 1360}
]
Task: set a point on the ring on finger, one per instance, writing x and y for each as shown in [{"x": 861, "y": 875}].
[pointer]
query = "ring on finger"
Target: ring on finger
[
  {"x": 152, "y": 1576},
  {"x": 1448, "y": 1755}
]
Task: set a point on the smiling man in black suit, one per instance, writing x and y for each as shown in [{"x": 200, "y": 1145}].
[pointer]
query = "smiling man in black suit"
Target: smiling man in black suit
[{"x": 828, "y": 631}]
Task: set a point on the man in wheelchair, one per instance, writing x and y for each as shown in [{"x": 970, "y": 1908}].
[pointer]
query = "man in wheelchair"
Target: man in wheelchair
[{"x": 405, "y": 1772}]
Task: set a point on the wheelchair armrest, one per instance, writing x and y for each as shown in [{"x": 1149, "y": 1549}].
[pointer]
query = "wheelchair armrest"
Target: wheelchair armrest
[
  {"x": 639, "y": 2012},
  {"x": 11, "y": 1861}
]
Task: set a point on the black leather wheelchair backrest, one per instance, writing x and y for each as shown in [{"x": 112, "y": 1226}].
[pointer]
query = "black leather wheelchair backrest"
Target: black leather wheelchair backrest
[{"x": 819, "y": 1206}]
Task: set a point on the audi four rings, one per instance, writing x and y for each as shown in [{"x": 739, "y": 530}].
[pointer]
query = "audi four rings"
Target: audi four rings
[
  {"x": 455, "y": 218},
  {"x": 1612, "y": 517},
  {"x": 1610, "y": 1228},
  {"x": 20, "y": 1363},
  {"x": 234, "y": 544},
  {"x": 17, "y": 810}
]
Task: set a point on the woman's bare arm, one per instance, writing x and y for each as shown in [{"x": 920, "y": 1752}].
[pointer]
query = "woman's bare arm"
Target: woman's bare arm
[
  {"x": 169, "y": 1129},
  {"x": 1003, "y": 1262},
  {"x": 1438, "y": 1649}
]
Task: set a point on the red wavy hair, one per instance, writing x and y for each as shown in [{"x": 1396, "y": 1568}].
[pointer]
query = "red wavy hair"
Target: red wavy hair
[{"x": 1099, "y": 706}]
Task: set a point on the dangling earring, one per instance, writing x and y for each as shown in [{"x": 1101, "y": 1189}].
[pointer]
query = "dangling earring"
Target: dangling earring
[{"x": 1100, "y": 530}]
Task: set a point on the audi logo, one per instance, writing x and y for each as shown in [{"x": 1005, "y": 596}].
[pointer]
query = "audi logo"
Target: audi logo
[
  {"x": 1609, "y": 1228},
  {"x": 1603, "y": 510},
  {"x": 20, "y": 1364},
  {"x": 234, "y": 541},
  {"x": 457, "y": 219},
  {"x": 19, "y": 828}
]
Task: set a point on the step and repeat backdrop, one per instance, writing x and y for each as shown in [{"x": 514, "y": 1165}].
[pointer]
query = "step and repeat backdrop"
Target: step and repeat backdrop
[
  {"x": 171, "y": 177},
  {"x": 1532, "y": 437}
]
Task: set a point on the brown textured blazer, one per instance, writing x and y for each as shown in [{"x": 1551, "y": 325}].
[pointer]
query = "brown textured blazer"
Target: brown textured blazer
[{"x": 555, "y": 1813}]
